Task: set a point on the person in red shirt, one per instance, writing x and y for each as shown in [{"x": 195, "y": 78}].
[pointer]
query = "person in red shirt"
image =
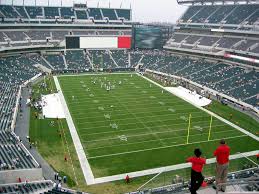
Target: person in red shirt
[
  {"x": 222, "y": 156},
  {"x": 127, "y": 179},
  {"x": 196, "y": 173}
]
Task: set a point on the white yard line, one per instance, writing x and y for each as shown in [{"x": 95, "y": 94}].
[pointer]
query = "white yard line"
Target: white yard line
[
  {"x": 137, "y": 129},
  {"x": 152, "y": 133},
  {"x": 140, "y": 142},
  {"x": 165, "y": 169},
  {"x": 116, "y": 120},
  {"x": 209, "y": 112},
  {"x": 90, "y": 74},
  {"x": 83, "y": 99},
  {"x": 85, "y": 166},
  {"x": 162, "y": 147},
  {"x": 144, "y": 117}
]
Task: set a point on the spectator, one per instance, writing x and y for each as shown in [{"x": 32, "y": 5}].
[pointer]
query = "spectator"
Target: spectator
[
  {"x": 197, "y": 165},
  {"x": 59, "y": 179},
  {"x": 59, "y": 186},
  {"x": 127, "y": 179},
  {"x": 55, "y": 176},
  {"x": 222, "y": 157},
  {"x": 65, "y": 179}
]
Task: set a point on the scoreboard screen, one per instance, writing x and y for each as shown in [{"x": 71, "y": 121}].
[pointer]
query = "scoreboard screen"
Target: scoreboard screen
[
  {"x": 151, "y": 36},
  {"x": 148, "y": 37}
]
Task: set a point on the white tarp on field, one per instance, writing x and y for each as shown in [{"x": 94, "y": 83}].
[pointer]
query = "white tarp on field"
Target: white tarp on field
[
  {"x": 51, "y": 106},
  {"x": 189, "y": 95}
]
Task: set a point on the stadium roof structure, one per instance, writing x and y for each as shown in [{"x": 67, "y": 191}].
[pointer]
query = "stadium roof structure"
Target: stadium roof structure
[{"x": 205, "y": 2}]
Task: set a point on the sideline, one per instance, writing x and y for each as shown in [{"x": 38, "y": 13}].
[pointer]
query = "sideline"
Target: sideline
[{"x": 85, "y": 166}]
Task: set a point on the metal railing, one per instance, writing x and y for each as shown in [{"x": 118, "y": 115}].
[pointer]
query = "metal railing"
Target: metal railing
[
  {"x": 177, "y": 180},
  {"x": 236, "y": 184}
]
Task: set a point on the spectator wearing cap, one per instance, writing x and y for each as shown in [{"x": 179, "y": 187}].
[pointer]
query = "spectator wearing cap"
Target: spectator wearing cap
[
  {"x": 222, "y": 156},
  {"x": 196, "y": 173}
]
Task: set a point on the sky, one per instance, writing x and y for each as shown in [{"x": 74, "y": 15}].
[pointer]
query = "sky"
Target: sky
[{"x": 142, "y": 10}]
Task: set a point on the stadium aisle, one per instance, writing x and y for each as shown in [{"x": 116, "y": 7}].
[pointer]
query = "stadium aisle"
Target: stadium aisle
[{"x": 22, "y": 130}]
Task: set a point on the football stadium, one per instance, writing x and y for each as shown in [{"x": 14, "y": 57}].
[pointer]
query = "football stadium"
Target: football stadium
[{"x": 95, "y": 102}]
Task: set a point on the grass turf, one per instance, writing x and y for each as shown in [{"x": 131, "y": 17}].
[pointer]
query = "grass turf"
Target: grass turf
[
  {"x": 146, "y": 128},
  {"x": 239, "y": 118}
]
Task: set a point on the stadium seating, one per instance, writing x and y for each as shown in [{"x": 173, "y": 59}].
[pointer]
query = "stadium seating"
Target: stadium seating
[
  {"x": 192, "y": 39},
  {"x": 59, "y": 35},
  {"x": 232, "y": 80},
  {"x": 37, "y": 59},
  {"x": 102, "y": 59},
  {"x": 12, "y": 153},
  {"x": 240, "y": 13},
  {"x": 76, "y": 60},
  {"x": 38, "y": 35},
  {"x": 108, "y": 32},
  {"x": 110, "y": 13},
  {"x": 21, "y": 11},
  {"x": 228, "y": 14},
  {"x": 203, "y": 14},
  {"x": 135, "y": 57},
  {"x": 9, "y": 11},
  {"x": 7, "y": 103},
  {"x": 256, "y": 50},
  {"x": 95, "y": 13},
  {"x": 27, "y": 187},
  {"x": 245, "y": 45},
  {"x": 84, "y": 32},
  {"x": 51, "y": 12},
  {"x": 20, "y": 66},
  {"x": 66, "y": 12},
  {"x": 13, "y": 72},
  {"x": 34, "y": 11},
  {"x": 227, "y": 42},
  {"x": 2, "y": 37},
  {"x": 81, "y": 14},
  {"x": 56, "y": 60},
  {"x": 44, "y": 37},
  {"x": 190, "y": 13},
  {"x": 179, "y": 37},
  {"x": 16, "y": 35},
  {"x": 124, "y": 13},
  {"x": 208, "y": 40},
  {"x": 121, "y": 57},
  {"x": 220, "y": 14},
  {"x": 252, "y": 100},
  {"x": 59, "y": 191}
]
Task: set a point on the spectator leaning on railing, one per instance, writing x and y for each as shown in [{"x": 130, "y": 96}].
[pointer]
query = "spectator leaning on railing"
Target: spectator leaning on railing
[
  {"x": 222, "y": 157},
  {"x": 196, "y": 174}
]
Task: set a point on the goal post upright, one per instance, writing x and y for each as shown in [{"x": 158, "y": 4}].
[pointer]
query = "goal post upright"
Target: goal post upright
[
  {"x": 210, "y": 128},
  {"x": 189, "y": 126}
]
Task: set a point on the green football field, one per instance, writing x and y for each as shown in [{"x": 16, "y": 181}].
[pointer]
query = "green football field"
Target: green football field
[{"x": 138, "y": 126}]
